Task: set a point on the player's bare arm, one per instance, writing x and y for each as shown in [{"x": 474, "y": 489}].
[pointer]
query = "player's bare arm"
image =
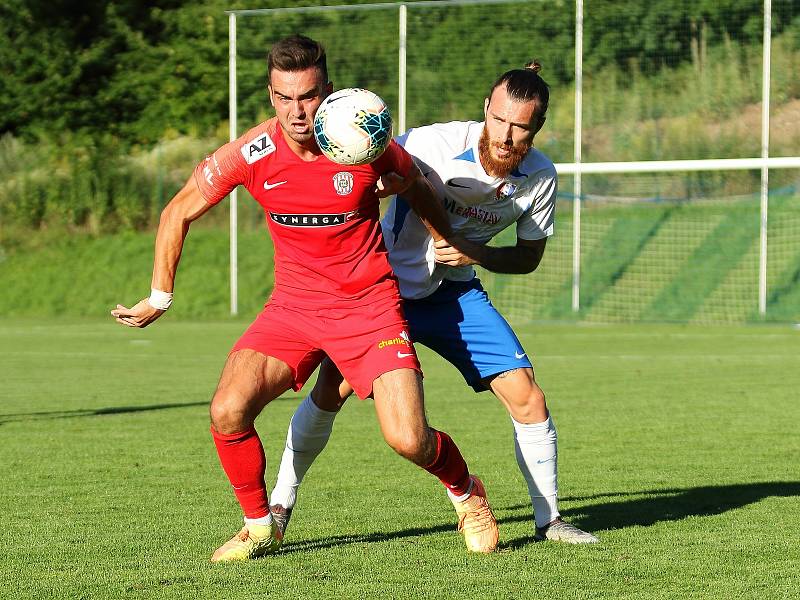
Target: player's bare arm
[
  {"x": 187, "y": 206},
  {"x": 422, "y": 198},
  {"x": 520, "y": 259},
  {"x": 420, "y": 194}
]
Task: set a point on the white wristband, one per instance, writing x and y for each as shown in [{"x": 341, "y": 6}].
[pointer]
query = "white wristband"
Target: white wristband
[{"x": 160, "y": 300}]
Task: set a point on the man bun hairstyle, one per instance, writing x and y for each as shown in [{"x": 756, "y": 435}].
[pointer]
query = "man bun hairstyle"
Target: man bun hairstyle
[
  {"x": 525, "y": 85},
  {"x": 534, "y": 66},
  {"x": 297, "y": 53}
]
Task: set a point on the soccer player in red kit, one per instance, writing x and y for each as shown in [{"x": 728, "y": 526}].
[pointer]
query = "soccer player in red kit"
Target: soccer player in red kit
[{"x": 334, "y": 294}]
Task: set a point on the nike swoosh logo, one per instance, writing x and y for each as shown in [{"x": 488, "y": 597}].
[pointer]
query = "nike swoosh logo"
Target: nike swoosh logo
[
  {"x": 452, "y": 183},
  {"x": 403, "y": 355},
  {"x": 541, "y": 462},
  {"x": 269, "y": 186},
  {"x": 518, "y": 355}
]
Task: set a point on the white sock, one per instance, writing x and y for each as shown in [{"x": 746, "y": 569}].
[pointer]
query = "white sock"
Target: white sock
[
  {"x": 464, "y": 496},
  {"x": 308, "y": 433},
  {"x": 536, "y": 447},
  {"x": 260, "y": 521}
]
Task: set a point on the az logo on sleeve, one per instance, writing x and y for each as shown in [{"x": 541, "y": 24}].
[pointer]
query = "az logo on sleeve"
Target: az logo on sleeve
[{"x": 258, "y": 148}]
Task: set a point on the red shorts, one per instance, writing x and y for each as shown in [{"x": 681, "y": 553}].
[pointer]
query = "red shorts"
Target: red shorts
[{"x": 364, "y": 343}]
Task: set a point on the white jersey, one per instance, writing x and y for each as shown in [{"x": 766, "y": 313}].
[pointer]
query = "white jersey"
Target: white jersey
[{"x": 479, "y": 205}]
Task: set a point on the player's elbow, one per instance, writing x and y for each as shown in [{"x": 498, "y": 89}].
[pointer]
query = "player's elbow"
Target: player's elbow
[
  {"x": 171, "y": 218},
  {"x": 531, "y": 260},
  {"x": 187, "y": 205},
  {"x": 531, "y": 266},
  {"x": 176, "y": 215}
]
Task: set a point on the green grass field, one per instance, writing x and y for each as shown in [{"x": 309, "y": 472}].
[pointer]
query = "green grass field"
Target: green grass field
[{"x": 679, "y": 447}]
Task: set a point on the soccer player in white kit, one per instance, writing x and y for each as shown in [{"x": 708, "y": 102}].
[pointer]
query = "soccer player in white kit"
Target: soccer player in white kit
[{"x": 489, "y": 177}]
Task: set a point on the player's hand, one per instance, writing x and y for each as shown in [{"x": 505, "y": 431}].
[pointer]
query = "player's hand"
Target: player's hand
[
  {"x": 390, "y": 184},
  {"x": 140, "y": 315},
  {"x": 456, "y": 252}
]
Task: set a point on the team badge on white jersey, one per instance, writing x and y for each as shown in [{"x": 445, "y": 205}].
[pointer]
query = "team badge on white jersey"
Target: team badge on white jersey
[
  {"x": 258, "y": 148},
  {"x": 506, "y": 190},
  {"x": 343, "y": 183}
]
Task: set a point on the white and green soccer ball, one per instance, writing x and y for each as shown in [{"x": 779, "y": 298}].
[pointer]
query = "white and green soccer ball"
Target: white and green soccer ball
[{"x": 353, "y": 126}]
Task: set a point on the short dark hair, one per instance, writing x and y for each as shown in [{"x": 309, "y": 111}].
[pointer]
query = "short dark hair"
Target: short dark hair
[
  {"x": 297, "y": 53},
  {"x": 525, "y": 85}
]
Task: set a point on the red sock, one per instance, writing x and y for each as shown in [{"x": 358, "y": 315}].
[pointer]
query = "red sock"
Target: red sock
[
  {"x": 243, "y": 460},
  {"x": 449, "y": 465}
]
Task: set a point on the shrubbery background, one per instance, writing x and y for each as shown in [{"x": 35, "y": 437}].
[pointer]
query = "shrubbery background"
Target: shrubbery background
[{"x": 106, "y": 106}]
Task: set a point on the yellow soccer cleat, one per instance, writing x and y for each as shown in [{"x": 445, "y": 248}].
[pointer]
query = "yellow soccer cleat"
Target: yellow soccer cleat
[
  {"x": 251, "y": 542},
  {"x": 476, "y": 521}
]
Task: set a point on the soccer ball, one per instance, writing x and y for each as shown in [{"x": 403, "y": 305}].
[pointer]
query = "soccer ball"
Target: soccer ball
[{"x": 353, "y": 126}]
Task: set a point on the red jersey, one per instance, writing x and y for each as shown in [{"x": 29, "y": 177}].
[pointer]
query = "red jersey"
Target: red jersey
[{"x": 323, "y": 216}]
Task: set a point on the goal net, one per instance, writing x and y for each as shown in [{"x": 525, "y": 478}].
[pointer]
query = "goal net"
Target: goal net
[{"x": 648, "y": 84}]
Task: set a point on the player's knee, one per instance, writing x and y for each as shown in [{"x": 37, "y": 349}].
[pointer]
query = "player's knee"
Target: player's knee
[
  {"x": 536, "y": 398},
  {"x": 327, "y": 397},
  {"x": 226, "y": 414},
  {"x": 532, "y": 407},
  {"x": 409, "y": 444}
]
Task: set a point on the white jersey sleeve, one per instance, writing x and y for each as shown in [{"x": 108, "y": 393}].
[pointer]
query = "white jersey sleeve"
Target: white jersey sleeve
[
  {"x": 538, "y": 220},
  {"x": 478, "y": 205}
]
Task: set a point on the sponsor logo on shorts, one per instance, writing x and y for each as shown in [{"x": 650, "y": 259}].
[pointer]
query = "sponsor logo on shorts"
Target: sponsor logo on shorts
[
  {"x": 313, "y": 220},
  {"x": 404, "y": 355},
  {"x": 401, "y": 340},
  {"x": 258, "y": 148},
  {"x": 343, "y": 183},
  {"x": 518, "y": 355}
]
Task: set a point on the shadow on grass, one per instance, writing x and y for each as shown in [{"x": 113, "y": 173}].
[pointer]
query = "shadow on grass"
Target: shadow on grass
[
  {"x": 618, "y": 510},
  {"x": 91, "y": 412},
  {"x": 110, "y": 410},
  {"x": 367, "y": 538},
  {"x": 624, "y": 509}
]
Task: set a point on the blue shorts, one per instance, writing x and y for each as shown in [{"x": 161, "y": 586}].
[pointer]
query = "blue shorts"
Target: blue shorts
[{"x": 459, "y": 323}]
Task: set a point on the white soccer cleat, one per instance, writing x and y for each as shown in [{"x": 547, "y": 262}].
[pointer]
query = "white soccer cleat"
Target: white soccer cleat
[
  {"x": 561, "y": 531},
  {"x": 281, "y": 516}
]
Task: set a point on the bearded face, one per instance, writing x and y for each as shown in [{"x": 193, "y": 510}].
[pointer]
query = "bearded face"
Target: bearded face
[
  {"x": 507, "y": 133},
  {"x": 500, "y": 158}
]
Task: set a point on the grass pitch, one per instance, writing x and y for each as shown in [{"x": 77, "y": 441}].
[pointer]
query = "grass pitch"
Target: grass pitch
[{"x": 678, "y": 447}]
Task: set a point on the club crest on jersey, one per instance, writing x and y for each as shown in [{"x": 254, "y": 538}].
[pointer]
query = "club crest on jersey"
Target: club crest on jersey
[
  {"x": 258, "y": 148},
  {"x": 343, "y": 183},
  {"x": 506, "y": 190}
]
